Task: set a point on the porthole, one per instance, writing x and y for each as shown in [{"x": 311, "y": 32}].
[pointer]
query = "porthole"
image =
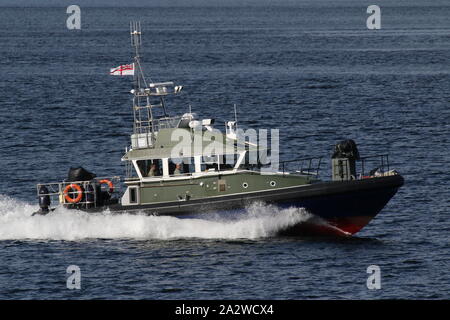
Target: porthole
[
  {"x": 273, "y": 183},
  {"x": 245, "y": 185}
]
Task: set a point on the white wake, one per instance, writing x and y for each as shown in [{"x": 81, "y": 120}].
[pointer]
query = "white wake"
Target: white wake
[{"x": 258, "y": 221}]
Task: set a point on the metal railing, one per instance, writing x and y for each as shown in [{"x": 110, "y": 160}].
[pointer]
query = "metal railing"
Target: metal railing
[
  {"x": 381, "y": 164},
  {"x": 59, "y": 192},
  {"x": 365, "y": 167},
  {"x": 147, "y": 124},
  {"x": 303, "y": 166}
]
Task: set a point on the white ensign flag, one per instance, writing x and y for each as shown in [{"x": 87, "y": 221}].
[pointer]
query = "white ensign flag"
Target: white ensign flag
[{"x": 123, "y": 70}]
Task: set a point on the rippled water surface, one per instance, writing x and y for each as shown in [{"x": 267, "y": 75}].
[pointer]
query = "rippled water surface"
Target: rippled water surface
[{"x": 314, "y": 71}]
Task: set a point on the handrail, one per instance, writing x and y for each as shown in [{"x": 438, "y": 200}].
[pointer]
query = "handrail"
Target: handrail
[
  {"x": 56, "y": 190},
  {"x": 310, "y": 169},
  {"x": 381, "y": 167},
  {"x": 383, "y": 164}
]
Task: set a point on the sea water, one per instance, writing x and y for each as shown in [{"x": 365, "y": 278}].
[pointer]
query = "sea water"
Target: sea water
[{"x": 312, "y": 70}]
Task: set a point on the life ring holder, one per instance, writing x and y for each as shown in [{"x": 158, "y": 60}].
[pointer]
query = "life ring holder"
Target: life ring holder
[
  {"x": 109, "y": 183},
  {"x": 73, "y": 186}
]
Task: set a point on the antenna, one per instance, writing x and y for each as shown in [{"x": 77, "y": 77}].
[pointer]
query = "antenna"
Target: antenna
[
  {"x": 136, "y": 42},
  {"x": 235, "y": 114},
  {"x": 136, "y": 39}
]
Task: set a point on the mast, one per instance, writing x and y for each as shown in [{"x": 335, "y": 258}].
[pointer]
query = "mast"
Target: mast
[
  {"x": 136, "y": 42},
  {"x": 142, "y": 122},
  {"x": 145, "y": 126}
]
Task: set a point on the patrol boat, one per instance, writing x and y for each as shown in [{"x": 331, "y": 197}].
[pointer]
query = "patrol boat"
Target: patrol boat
[{"x": 170, "y": 170}]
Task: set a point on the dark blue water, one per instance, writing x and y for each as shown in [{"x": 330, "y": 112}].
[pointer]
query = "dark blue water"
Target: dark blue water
[{"x": 314, "y": 71}]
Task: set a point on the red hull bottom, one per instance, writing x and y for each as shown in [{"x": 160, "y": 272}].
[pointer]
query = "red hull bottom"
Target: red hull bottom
[{"x": 342, "y": 227}]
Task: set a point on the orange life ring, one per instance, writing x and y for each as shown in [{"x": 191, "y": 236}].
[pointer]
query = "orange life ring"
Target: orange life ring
[
  {"x": 109, "y": 183},
  {"x": 73, "y": 186}
]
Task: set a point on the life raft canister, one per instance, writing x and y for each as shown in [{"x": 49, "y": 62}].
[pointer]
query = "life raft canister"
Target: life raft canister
[
  {"x": 109, "y": 183},
  {"x": 77, "y": 188}
]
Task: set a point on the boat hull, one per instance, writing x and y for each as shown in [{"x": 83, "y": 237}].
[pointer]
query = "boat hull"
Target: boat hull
[{"x": 338, "y": 208}]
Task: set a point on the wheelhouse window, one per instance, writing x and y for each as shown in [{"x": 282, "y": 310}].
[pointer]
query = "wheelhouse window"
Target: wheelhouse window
[
  {"x": 181, "y": 166},
  {"x": 209, "y": 163},
  {"x": 150, "y": 168},
  {"x": 130, "y": 171},
  {"x": 218, "y": 163}
]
